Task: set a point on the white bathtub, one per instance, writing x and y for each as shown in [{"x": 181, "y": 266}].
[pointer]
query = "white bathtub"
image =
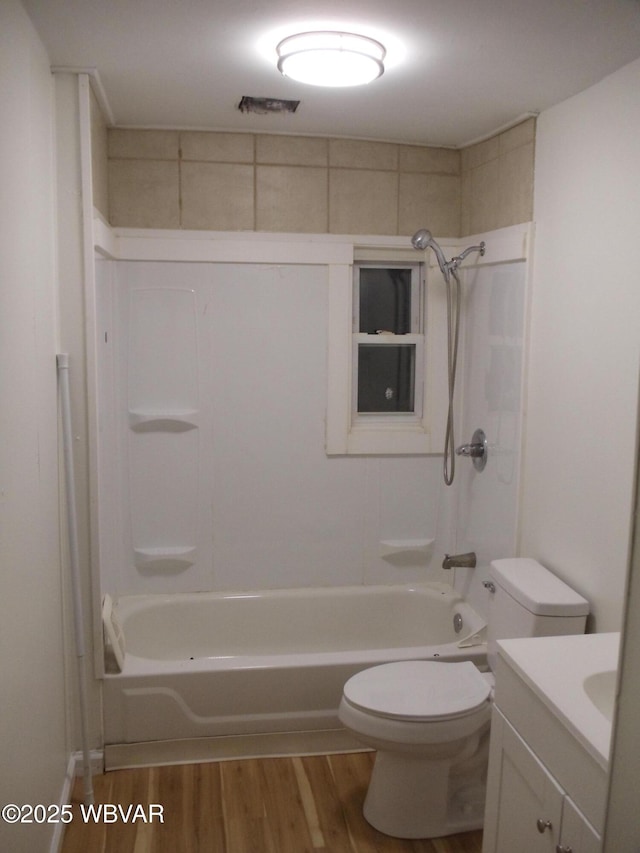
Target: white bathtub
[{"x": 205, "y": 667}]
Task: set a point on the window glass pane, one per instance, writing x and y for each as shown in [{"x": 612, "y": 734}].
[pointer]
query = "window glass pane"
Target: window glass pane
[
  {"x": 385, "y": 300},
  {"x": 386, "y": 377}
]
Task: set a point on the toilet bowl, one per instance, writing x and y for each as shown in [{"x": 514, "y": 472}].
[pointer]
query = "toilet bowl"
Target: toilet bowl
[
  {"x": 431, "y": 742},
  {"x": 429, "y": 721}
]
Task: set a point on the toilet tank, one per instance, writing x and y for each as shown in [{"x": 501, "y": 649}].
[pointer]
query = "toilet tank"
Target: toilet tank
[{"x": 530, "y": 601}]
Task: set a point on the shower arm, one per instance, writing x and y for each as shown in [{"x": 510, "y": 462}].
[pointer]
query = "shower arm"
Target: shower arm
[{"x": 455, "y": 262}]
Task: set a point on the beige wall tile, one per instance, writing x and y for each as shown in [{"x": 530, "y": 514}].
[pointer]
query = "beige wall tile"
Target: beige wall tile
[
  {"x": 292, "y": 198},
  {"x": 430, "y": 201},
  {"x": 483, "y": 198},
  {"x": 371, "y": 187},
  {"x": 144, "y": 194},
  {"x": 356, "y": 154},
  {"x": 515, "y": 185},
  {"x": 521, "y": 134},
  {"x": 465, "y": 203},
  {"x": 217, "y": 196},
  {"x": 363, "y": 202},
  {"x": 423, "y": 158},
  {"x": 497, "y": 180},
  {"x": 99, "y": 161},
  {"x": 143, "y": 144},
  {"x": 217, "y": 147},
  {"x": 292, "y": 150},
  {"x": 482, "y": 152}
]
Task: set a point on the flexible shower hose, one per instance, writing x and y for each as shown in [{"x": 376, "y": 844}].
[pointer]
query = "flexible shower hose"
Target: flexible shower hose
[{"x": 453, "y": 331}]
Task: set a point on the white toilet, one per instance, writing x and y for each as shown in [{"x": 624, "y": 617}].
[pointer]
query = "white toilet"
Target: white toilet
[{"x": 429, "y": 721}]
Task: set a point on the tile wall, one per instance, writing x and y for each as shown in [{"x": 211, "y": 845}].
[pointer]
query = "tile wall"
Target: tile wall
[
  {"x": 99, "y": 158},
  {"x": 245, "y": 182},
  {"x": 241, "y": 181},
  {"x": 497, "y": 180}
]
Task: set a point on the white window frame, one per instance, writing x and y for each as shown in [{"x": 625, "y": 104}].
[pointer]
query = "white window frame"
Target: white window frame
[
  {"x": 416, "y": 338},
  {"x": 352, "y": 433}
]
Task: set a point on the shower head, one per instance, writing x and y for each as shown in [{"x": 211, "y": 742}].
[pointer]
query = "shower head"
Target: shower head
[{"x": 422, "y": 240}]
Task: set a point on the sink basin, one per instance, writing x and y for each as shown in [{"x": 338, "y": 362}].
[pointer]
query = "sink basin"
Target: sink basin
[
  {"x": 575, "y": 677},
  {"x": 600, "y": 687}
]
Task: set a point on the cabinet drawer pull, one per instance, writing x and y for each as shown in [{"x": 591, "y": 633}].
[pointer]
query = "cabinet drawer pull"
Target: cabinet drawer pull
[{"x": 543, "y": 824}]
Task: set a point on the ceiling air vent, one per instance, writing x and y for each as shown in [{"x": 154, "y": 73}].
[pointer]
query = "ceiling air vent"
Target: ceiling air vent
[{"x": 264, "y": 106}]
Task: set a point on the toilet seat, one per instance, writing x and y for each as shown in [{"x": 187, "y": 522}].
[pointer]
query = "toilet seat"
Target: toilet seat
[{"x": 418, "y": 691}]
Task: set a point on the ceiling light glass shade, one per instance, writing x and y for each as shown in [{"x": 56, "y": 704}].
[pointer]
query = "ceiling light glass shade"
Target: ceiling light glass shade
[{"x": 331, "y": 58}]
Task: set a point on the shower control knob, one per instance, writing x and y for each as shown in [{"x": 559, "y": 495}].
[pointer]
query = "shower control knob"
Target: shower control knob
[
  {"x": 472, "y": 450},
  {"x": 476, "y": 450},
  {"x": 543, "y": 824}
]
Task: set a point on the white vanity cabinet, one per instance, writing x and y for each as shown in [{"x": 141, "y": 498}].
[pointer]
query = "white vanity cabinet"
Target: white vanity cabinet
[
  {"x": 526, "y": 807},
  {"x": 548, "y": 760}
]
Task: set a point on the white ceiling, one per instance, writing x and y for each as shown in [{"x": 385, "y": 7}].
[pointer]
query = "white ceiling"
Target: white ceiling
[{"x": 457, "y": 70}]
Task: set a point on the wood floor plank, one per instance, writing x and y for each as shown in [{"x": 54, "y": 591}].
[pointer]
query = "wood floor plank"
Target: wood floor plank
[
  {"x": 351, "y": 773},
  {"x": 248, "y": 835},
  {"x": 465, "y": 842},
  {"x": 309, "y": 807},
  {"x": 332, "y": 814},
  {"x": 273, "y": 805},
  {"x": 242, "y": 790},
  {"x": 80, "y": 836},
  {"x": 245, "y": 824},
  {"x": 284, "y": 808},
  {"x": 329, "y": 808},
  {"x": 174, "y": 792},
  {"x": 205, "y": 810}
]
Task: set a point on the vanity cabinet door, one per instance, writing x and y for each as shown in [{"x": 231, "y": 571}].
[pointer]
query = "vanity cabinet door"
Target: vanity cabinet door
[
  {"x": 578, "y": 836},
  {"x": 524, "y": 802}
]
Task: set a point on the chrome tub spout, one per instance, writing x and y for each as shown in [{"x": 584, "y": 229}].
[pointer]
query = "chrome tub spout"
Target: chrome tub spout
[{"x": 465, "y": 561}]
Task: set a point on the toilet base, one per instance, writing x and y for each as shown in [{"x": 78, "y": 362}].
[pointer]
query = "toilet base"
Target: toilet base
[{"x": 410, "y": 797}]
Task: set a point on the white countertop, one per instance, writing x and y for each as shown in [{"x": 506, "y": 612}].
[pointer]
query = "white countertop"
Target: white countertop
[{"x": 555, "y": 669}]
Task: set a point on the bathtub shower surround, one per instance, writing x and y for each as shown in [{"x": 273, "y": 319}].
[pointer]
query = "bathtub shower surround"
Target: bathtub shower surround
[
  {"x": 212, "y": 397},
  {"x": 492, "y": 381},
  {"x": 214, "y": 382},
  {"x": 207, "y": 673}
]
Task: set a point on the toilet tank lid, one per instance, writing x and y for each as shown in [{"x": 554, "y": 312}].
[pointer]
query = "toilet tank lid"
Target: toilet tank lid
[{"x": 536, "y": 588}]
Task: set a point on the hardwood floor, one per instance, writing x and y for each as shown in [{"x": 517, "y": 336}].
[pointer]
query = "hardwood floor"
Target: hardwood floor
[{"x": 266, "y": 805}]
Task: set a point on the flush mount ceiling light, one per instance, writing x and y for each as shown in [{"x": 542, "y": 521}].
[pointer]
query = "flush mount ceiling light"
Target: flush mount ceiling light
[{"x": 331, "y": 58}]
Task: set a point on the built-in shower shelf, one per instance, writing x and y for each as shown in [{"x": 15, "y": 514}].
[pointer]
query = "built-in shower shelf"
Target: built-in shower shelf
[
  {"x": 174, "y": 557},
  {"x": 390, "y": 548},
  {"x": 169, "y": 421}
]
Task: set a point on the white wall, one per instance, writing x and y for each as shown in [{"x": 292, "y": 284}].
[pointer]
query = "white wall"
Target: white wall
[
  {"x": 623, "y": 821},
  {"x": 583, "y": 375},
  {"x": 74, "y": 295},
  {"x": 33, "y": 725}
]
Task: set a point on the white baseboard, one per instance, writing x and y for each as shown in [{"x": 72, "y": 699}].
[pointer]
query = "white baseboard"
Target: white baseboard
[
  {"x": 75, "y": 767},
  {"x": 96, "y": 760}
]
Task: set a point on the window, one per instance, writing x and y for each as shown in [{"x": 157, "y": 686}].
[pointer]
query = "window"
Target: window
[
  {"x": 388, "y": 341},
  {"x": 384, "y": 355}
]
